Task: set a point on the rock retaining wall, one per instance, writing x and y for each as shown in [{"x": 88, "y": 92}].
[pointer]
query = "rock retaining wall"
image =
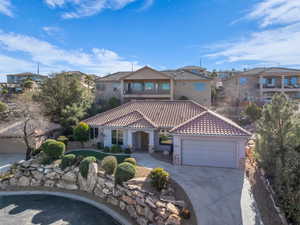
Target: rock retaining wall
[{"x": 146, "y": 208}]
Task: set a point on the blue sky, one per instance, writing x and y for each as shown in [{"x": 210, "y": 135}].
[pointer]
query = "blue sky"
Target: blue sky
[{"x": 104, "y": 36}]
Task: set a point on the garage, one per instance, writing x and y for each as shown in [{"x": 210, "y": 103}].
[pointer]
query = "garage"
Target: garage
[{"x": 209, "y": 153}]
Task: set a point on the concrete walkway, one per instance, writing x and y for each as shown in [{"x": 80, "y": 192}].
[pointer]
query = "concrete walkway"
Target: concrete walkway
[{"x": 219, "y": 196}]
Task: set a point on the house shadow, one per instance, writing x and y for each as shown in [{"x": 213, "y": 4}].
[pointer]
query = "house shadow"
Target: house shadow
[{"x": 46, "y": 210}]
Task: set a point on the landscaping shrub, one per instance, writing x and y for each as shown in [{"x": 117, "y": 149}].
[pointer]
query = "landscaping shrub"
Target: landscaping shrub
[
  {"x": 106, "y": 149},
  {"x": 253, "y": 112},
  {"x": 109, "y": 164},
  {"x": 159, "y": 178},
  {"x": 124, "y": 172},
  {"x": 84, "y": 165},
  {"x": 36, "y": 151},
  {"x": 3, "y": 107},
  {"x": 63, "y": 139},
  {"x": 116, "y": 149},
  {"x": 82, "y": 132},
  {"x": 68, "y": 160},
  {"x": 53, "y": 149},
  {"x": 131, "y": 161},
  {"x": 127, "y": 151}
]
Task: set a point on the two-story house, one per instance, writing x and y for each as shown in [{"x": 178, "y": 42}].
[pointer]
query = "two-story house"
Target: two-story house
[
  {"x": 189, "y": 82},
  {"x": 260, "y": 84}
]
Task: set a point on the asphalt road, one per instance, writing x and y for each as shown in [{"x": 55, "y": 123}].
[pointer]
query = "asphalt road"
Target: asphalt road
[{"x": 50, "y": 210}]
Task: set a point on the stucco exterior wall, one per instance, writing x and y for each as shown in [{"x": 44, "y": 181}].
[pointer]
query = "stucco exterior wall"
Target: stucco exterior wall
[
  {"x": 106, "y": 90},
  {"x": 234, "y": 90},
  {"x": 188, "y": 89}
]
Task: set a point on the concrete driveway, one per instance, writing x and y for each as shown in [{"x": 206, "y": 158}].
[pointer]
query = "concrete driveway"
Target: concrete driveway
[
  {"x": 219, "y": 196},
  {"x": 7, "y": 159}
]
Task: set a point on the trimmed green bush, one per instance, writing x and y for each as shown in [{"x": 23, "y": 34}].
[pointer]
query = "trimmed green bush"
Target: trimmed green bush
[
  {"x": 84, "y": 165},
  {"x": 109, "y": 164},
  {"x": 53, "y": 149},
  {"x": 82, "y": 132},
  {"x": 131, "y": 161},
  {"x": 116, "y": 149},
  {"x": 68, "y": 160},
  {"x": 159, "y": 178},
  {"x": 100, "y": 154},
  {"x": 63, "y": 139},
  {"x": 106, "y": 149},
  {"x": 3, "y": 107},
  {"x": 124, "y": 172}
]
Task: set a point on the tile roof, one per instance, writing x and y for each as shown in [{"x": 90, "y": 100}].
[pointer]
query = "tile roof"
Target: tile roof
[
  {"x": 182, "y": 117},
  {"x": 178, "y": 74},
  {"x": 209, "y": 123}
]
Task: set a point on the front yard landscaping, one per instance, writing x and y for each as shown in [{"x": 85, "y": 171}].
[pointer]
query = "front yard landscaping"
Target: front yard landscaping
[{"x": 148, "y": 196}]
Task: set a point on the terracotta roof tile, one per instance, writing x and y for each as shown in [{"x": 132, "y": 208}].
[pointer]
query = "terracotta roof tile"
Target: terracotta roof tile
[
  {"x": 182, "y": 117},
  {"x": 210, "y": 123}
]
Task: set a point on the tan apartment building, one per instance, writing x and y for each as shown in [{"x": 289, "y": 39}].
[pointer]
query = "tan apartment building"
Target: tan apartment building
[
  {"x": 190, "y": 83},
  {"x": 260, "y": 84}
]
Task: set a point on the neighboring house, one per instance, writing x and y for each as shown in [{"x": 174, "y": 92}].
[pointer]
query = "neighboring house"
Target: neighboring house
[
  {"x": 190, "y": 132},
  {"x": 260, "y": 84},
  {"x": 11, "y": 135},
  {"x": 14, "y": 81},
  {"x": 188, "y": 82}
]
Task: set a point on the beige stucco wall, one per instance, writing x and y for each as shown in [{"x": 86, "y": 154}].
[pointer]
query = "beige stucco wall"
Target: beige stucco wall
[
  {"x": 187, "y": 89},
  {"x": 247, "y": 92},
  {"x": 12, "y": 145},
  {"x": 111, "y": 89}
]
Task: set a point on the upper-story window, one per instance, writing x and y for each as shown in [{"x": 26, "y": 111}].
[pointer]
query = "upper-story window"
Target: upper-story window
[
  {"x": 100, "y": 87},
  {"x": 137, "y": 86},
  {"x": 165, "y": 86},
  {"x": 243, "y": 80},
  {"x": 149, "y": 86},
  {"x": 199, "y": 86}
]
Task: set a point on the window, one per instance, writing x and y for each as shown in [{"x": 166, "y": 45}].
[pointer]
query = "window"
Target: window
[
  {"x": 117, "y": 137},
  {"x": 165, "y": 138},
  {"x": 149, "y": 86},
  {"x": 199, "y": 86},
  {"x": 243, "y": 80},
  {"x": 165, "y": 86},
  {"x": 96, "y": 132},
  {"x": 92, "y": 133},
  {"x": 137, "y": 86},
  {"x": 100, "y": 87}
]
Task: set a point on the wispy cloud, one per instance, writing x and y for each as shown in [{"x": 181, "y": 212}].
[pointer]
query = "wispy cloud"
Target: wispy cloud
[
  {"x": 271, "y": 12},
  {"x": 6, "y": 8},
  {"x": 53, "y": 58},
  {"x": 147, "y": 4},
  {"x": 273, "y": 45},
  {"x": 51, "y": 30},
  {"x": 85, "y": 8}
]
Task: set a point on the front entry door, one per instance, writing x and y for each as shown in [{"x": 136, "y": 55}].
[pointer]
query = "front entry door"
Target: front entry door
[{"x": 144, "y": 141}]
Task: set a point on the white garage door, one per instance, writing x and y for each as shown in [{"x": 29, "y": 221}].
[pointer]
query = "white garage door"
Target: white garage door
[{"x": 209, "y": 153}]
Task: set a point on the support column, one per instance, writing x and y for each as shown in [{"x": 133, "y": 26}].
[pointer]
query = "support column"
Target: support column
[
  {"x": 129, "y": 141},
  {"x": 282, "y": 83},
  {"x": 151, "y": 141},
  {"x": 172, "y": 89},
  {"x": 261, "y": 87},
  {"x": 122, "y": 91},
  {"x": 107, "y": 137}
]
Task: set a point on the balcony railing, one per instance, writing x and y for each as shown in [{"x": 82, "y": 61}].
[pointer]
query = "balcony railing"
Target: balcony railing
[{"x": 147, "y": 92}]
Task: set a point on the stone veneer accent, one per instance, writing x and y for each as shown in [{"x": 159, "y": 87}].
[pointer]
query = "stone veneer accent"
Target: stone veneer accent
[{"x": 146, "y": 208}]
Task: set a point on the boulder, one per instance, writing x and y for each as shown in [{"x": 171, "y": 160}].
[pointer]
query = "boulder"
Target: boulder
[
  {"x": 173, "y": 220},
  {"x": 89, "y": 183},
  {"x": 49, "y": 183},
  {"x": 69, "y": 177},
  {"x": 37, "y": 175},
  {"x": 172, "y": 209},
  {"x": 23, "y": 181},
  {"x": 142, "y": 221},
  {"x": 131, "y": 211},
  {"x": 65, "y": 185}
]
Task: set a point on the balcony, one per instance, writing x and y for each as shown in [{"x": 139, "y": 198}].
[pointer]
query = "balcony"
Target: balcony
[{"x": 147, "y": 89}]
